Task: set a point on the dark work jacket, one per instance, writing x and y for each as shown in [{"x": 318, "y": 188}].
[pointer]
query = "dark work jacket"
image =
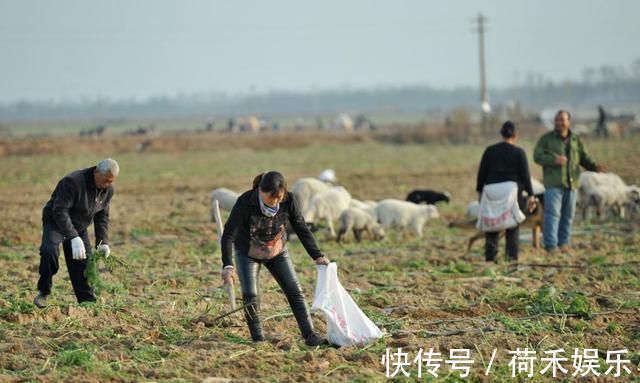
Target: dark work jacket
[
  {"x": 76, "y": 203},
  {"x": 504, "y": 162},
  {"x": 255, "y": 235}
]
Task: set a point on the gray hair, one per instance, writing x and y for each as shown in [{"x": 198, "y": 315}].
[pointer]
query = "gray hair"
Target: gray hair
[{"x": 108, "y": 165}]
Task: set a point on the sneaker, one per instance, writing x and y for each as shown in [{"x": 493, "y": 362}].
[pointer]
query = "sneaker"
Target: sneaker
[
  {"x": 40, "y": 301},
  {"x": 551, "y": 250},
  {"x": 565, "y": 249},
  {"x": 314, "y": 339}
]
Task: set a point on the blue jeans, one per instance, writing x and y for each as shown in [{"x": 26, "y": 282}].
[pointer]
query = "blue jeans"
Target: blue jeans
[{"x": 559, "y": 208}]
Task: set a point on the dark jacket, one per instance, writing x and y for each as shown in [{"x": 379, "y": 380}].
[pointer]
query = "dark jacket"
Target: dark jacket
[
  {"x": 76, "y": 202},
  {"x": 562, "y": 176},
  {"x": 504, "y": 162},
  {"x": 258, "y": 236}
]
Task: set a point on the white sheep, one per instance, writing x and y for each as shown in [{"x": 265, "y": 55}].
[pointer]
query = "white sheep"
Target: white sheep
[
  {"x": 621, "y": 201},
  {"x": 602, "y": 191},
  {"x": 364, "y": 205},
  {"x": 473, "y": 209},
  {"x": 404, "y": 215},
  {"x": 327, "y": 205},
  {"x": 328, "y": 176},
  {"x": 370, "y": 204},
  {"x": 589, "y": 179},
  {"x": 226, "y": 199},
  {"x": 633, "y": 200},
  {"x": 607, "y": 197},
  {"x": 359, "y": 220},
  {"x": 305, "y": 188},
  {"x": 358, "y": 204},
  {"x": 537, "y": 186}
]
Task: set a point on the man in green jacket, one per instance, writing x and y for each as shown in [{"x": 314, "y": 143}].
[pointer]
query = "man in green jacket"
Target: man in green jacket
[{"x": 561, "y": 153}]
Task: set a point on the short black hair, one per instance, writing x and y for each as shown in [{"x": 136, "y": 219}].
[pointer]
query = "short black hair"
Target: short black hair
[
  {"x": 508, "y": 129},
  {"x": 565, "y": 112}
]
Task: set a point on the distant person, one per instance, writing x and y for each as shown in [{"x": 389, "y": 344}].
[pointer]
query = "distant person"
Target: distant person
[
  {"x": 601, "y": 129},
  {"x": 500, "y": 163},
  {"x": 79, "y": 199},
  {"x": 255, "y": 232},
  {"x": 561, "y": 153},
  {"x": 231, "y": 124}
]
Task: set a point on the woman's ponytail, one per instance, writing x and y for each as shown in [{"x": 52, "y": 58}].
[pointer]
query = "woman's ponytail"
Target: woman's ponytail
[{"x": 257, "y": 180}]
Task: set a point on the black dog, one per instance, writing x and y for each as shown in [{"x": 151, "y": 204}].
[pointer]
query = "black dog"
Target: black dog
[{"x": 429, "y": 197}]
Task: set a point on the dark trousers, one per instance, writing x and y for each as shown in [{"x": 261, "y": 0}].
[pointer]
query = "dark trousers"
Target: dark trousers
[
  {"x": 281, "y": 268},
  {"x": 492, "y": 240},
  {"x": 49, "y": 254}
]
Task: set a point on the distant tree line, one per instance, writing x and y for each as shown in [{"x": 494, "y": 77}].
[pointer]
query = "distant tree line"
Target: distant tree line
[{"x": 606, "y": 85}]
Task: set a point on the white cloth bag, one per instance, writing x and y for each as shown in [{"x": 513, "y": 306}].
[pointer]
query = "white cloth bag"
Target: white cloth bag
[
  {"x": 346, "y": 323},
  {"x": 499, "y": 208}
]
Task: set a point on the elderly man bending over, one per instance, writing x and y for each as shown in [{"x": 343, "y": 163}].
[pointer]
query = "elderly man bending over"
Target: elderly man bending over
[{"x": 79, "y": 198}]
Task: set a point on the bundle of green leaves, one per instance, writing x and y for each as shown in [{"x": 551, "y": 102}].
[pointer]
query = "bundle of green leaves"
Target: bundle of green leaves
[{"x": 92, "y": 271}]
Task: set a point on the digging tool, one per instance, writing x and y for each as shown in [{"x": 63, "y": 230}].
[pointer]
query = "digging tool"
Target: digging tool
[{"x": 228, "y": 285}]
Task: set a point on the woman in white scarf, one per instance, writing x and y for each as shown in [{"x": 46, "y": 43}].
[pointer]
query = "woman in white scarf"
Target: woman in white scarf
[{"x": 255, "y": 236}]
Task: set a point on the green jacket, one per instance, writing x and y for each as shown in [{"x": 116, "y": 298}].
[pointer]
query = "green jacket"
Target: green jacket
[{"x": 561, "y": 176}]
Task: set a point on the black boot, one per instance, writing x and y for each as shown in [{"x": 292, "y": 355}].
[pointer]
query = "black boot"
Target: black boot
[
  {"x": 313, "y": 339},
  {"x": 40, "y": 300},
  {"x": 254, "y": 323}
]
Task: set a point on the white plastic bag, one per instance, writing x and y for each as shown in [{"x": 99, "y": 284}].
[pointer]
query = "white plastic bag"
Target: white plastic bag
[
  {"x": 499, "y": 208},
  {"x": 346, "y": 323}
]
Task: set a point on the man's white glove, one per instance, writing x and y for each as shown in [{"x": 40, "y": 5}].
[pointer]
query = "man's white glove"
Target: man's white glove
[
  {"x": 77, "y": 249},
  {"x": 104, "y": 249}
]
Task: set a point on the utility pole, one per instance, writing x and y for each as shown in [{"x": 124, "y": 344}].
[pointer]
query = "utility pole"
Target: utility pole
[{"x": 484, "y": 97}]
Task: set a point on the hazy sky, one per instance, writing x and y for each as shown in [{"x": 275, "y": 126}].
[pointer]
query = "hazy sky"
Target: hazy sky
[{"x": 67, "y": 49}]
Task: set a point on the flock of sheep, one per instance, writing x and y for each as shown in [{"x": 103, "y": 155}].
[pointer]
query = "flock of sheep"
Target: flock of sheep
[{"x": 321, "y": 201}]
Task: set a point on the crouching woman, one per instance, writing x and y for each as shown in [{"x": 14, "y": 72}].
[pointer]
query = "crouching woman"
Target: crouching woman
[{"x": 255, "y": 231}]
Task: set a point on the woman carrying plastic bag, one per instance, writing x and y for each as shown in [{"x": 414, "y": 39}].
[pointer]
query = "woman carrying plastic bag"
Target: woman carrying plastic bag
[
  {"x": 255, "y": 234},
  {"x": 502, "y": 177}
]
